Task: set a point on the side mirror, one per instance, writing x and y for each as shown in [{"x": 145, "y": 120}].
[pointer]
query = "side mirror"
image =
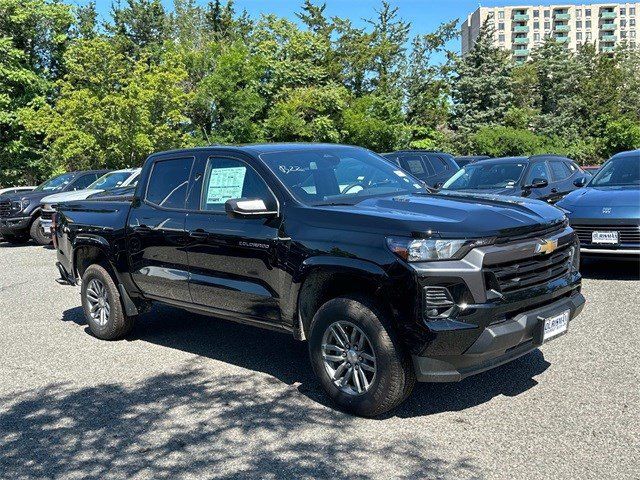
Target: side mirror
[
  {"x": 248, "y": 208},
  {"x": 580, "y": 182},
  {"x": 538, "y": 183}
]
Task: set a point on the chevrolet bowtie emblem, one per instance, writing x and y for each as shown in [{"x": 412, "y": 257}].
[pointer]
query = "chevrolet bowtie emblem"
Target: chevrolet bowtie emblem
[{"x": 547, "y": 246}]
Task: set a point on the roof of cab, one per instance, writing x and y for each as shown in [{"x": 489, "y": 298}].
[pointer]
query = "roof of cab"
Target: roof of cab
[{"x": 260, "y": 148}]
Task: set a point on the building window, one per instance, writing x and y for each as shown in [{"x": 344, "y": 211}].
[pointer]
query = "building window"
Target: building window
[
  {"x": 589, "y": 36},
  {"x": 501, "y": 14},
  {"x": 579, "y": 24},
  {"x": 587, "y": 12},
  {"x": 588, "y": 23},
  {"x": 536, "y": 25},
  {"x": 547, "y": 14},
  {"x": 578, "y": 13},
  {"x": 501, "y": 38},
  {"x": 579, "y": 36},
  {"x": 501, "y": 26},
  {"x": 536, "y": 37},
  {"x": 632, "y": 22},
  {"x": 623, "y": 11},
  {"x": 547, "y": 25},
  {"x": 632, "y": 34},
  {"x": 623, "y": 23},
  {"x": 536, "y": 14},
  {"x": 623, "y": 34},
  {"x": 632, "y": 10}
]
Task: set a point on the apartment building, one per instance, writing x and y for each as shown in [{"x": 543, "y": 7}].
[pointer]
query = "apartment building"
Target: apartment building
[{"x": 520, "y": 29}]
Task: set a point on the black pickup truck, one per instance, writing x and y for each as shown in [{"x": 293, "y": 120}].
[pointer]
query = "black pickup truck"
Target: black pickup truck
[{"x": 334, "y": 244}]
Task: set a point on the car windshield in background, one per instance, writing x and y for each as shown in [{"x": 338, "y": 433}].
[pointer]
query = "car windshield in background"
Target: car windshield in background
[
  {"x": 56, "y": 183},
  {"x": 328, "y": 176},
  {"x": 486, "y": 177},
  {"x": 618, "y": 172},
  {"x": 110, "y": 180}
]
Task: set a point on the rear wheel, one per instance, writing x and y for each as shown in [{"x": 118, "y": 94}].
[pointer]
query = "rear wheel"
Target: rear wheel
[
  {"x": 357, "y": 357},
  {"x": 37, "y": 234},
  {"x": 102, "y": 305}
]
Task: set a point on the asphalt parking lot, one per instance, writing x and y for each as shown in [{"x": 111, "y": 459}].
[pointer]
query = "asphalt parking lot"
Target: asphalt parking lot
[{"x": 190, "y": 397}]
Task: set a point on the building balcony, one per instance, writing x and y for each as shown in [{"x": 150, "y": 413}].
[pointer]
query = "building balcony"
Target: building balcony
[
  {"x": 607, "y": 38},
  {"x": 562, "y": 39},
  {"x": 608, "y": 15},
  {"x": 521, "y": 29},
  {"x": 607, "y": 49},
  {"x": 562, "y": 28},
  {"x": 521, "y": 52},
  {"x": 562, "y": 16},
  {"x": 521, "y": 41},
  {"x": 608, "y": 27},
  {"x": 520, "y": 17}
]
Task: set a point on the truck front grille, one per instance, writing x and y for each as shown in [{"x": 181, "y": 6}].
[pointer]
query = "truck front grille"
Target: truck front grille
[
  {"x": 529, "y": 272},
  {"x": 5, "y": 208},
  {"x": 626, "y": 233}
]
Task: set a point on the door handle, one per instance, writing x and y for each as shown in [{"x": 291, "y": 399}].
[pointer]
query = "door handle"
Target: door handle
[{"x": 198, "y": 233}]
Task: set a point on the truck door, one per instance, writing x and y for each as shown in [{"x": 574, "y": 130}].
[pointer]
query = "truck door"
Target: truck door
[
  {"x": 156, "y": 237},
  {"x": 234, "y": 262}
]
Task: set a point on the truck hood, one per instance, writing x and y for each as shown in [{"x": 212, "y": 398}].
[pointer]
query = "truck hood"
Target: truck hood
[
  {"x": 624, "y": 196},
  {"x": 33, "y": 196},
  {"x": 483, "y": 192},
  {"x": 456, "y": 215},
  {"x": 69, "y": 196}
]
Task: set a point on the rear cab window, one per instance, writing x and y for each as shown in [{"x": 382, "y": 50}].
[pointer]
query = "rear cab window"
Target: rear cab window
[
  {"x": 169, "y": 182},
  {"x": 559, "y": 170}
]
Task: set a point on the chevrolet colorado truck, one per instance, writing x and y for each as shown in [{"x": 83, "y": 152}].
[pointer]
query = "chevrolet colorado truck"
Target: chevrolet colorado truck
[{"x": 387, "y": 282}]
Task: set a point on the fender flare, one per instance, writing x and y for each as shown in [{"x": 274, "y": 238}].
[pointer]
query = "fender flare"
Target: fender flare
[{"x": 365, "y": 268}]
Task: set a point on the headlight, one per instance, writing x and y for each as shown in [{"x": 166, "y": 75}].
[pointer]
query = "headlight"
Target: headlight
[
  {"x": 20, "y": 205},
  {"x": 427, "y": 249}
]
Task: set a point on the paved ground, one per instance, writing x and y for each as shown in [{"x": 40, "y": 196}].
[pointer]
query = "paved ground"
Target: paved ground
[{"x": 186, "y": 396}]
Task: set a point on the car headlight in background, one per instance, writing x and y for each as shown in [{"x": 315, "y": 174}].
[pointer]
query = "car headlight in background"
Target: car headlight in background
[
  {"x": 20, "y": 205},
  {"x": 428, "y": 249}
]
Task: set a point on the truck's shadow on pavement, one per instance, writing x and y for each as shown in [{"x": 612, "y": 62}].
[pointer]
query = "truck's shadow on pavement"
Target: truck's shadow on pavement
[
  {"x": 606, "y": 268},
  {"x": 286, "y": 359}
]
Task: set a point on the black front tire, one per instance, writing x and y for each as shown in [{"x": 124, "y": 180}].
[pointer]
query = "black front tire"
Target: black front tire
[
  {"x": 394, "y": 378},
  {"x": 36, "y": 233},
  {"x": 117, "y": 324}
]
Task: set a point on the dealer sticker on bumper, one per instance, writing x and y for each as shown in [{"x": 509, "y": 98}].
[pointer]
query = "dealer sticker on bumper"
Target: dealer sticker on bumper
[{"x": 556, "y": 325}]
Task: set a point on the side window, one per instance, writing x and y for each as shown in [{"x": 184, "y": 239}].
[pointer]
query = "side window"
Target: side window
[
  {"x": 538, "y": 170},
  {"x": 559, "y": 170},
  {"x": 413, "y": 164},
  {"x": 168, "y": 183},
  {"x": 439, "y": 165},
  {"x": 228, "y": 178},
  {"x": 84, "y": 181}
]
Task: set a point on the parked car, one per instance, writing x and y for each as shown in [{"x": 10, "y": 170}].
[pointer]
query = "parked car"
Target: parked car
[
  {"x": 467, "y": 159},
  {"x": 335, "y": 245},
  {"x": 20, "y": 212},
  {"x": 48, "y": 205},
  {"x": 543, "y": 177},
  {"x": 606, "y": 213},
  {"x": 11, "y": 190},
  {"x": 432, "y": 167}
]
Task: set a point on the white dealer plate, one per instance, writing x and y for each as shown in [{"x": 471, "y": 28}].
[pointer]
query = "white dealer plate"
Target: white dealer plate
[
  {"x": 556, "y": 325},
  {"x": 604, "y": 237}
]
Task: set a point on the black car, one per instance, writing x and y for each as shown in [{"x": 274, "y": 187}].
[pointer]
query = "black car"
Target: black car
[
  {"x": 467, "y": 159},
  {"x": 432, "y": 167},
  {"x": 333, "y": 244},
  {"x": 606, "y": 213},
  {"x": 543, "y": 177},
  {"x": 20, "y": 212}
]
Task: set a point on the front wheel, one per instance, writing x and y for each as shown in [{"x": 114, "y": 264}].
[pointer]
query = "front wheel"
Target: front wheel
[
  {"x": 37, "y": 234},
  {"x": 357, "y": 357},
  {"x": 102, "y": 306}
]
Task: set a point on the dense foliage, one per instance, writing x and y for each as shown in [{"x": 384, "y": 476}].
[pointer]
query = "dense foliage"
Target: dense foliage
[{"x": 76, "y": 92}]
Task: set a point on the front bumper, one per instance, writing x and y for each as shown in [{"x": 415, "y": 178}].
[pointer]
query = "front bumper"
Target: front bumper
[
  {"x": 13, "y": 225},
  {"x": 497, "y": 344}
]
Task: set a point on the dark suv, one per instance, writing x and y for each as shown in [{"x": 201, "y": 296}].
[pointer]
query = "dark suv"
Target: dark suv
[
  {"x": 20, "y": 212},
  {"x": 543, "y": 177},
  {"x": 333, "y": 244},
  {"x": 432, "y": 167}
]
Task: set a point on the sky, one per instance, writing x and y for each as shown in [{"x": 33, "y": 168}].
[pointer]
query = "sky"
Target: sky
[{"x": 424, "y": 15}]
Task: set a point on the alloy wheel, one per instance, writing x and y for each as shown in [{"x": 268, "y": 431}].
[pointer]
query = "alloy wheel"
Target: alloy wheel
[{"x": 98, "y": 299}]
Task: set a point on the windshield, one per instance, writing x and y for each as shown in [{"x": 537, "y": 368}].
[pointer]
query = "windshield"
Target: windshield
[
  {"x": 109, "y": 180},
  {"x": 618, "y": 172},
  {"x": 338, "y": 175},
  {"x": 56, "y": 184},
  {"x": 486, "y": 176}
]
